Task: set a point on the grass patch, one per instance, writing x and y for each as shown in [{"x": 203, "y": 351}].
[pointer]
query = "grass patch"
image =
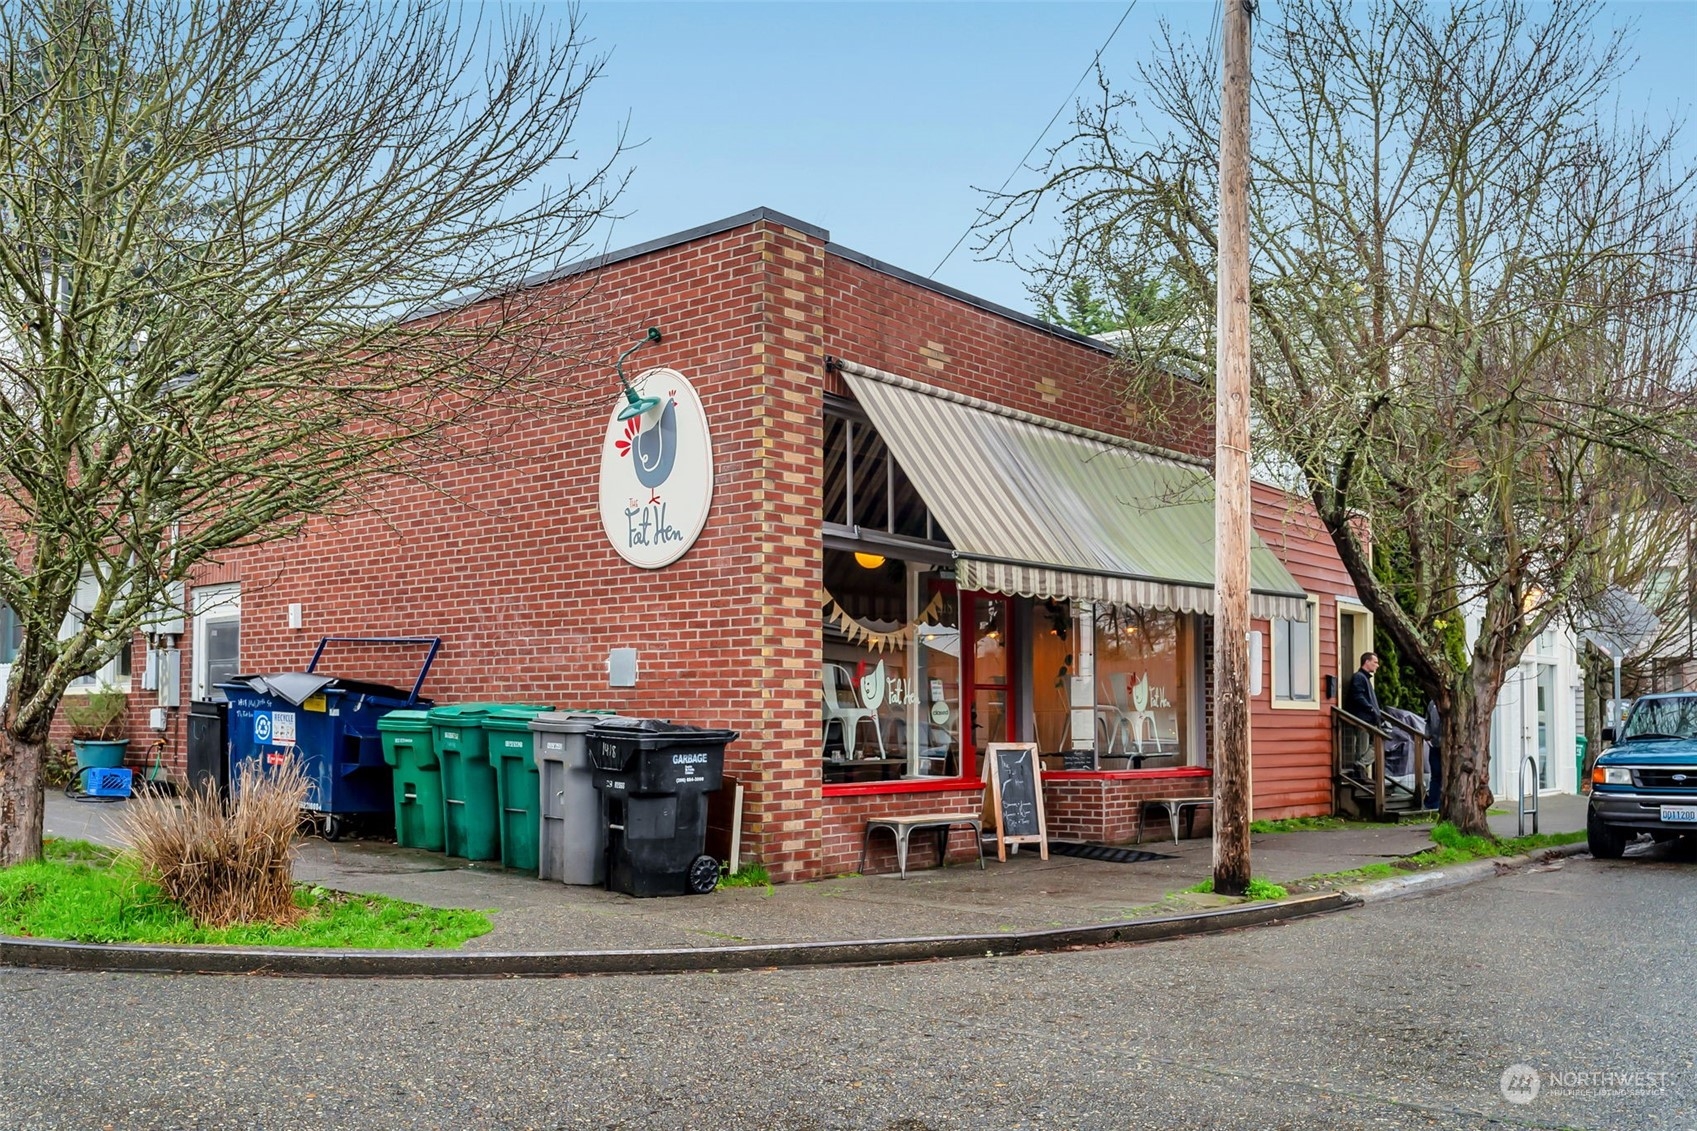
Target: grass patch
[
  {"x": 1258, "y": 889},
  {"x": 1297, "y": 824},
  {"x": 76, "y": 851},
  {"x": 1479, "y": 847},
  {"x": 749, "y": 876},
  {"x": 1451, "y": 847},
  {"x": 85, "y": 893}
]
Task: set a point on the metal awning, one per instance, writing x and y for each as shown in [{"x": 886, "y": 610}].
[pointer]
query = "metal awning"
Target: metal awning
[{"x": 1043, "y": 509}]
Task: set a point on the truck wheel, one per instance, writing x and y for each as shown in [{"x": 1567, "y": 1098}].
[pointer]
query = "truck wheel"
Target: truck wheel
[
  {"x": 1605, "y": 841},
  {"x": 703, "y": 875}
]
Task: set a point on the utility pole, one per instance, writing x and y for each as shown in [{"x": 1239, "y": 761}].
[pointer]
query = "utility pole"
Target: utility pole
[{"x": 1231, "y": 467}]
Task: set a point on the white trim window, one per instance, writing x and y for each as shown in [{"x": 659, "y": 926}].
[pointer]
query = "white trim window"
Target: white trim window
[
  {"x": 116, "y": 671},
  {"x": 217, "y": 638},
  {"x": 1296, "y": 660},
  {"x": 11, "y": 636},
  {"x": 11, "y": 640}
]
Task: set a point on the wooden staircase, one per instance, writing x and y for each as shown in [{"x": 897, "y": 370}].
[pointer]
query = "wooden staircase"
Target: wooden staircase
[{"x": 1372, "y": 795}]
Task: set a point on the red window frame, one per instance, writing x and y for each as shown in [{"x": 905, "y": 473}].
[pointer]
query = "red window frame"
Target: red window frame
[
  {"x": 970, "y": 600},
  {"x": 967, "y": 602}
]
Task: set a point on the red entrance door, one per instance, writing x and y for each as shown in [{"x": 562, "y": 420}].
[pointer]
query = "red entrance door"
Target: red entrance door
[{"x": 987, "y": 619}]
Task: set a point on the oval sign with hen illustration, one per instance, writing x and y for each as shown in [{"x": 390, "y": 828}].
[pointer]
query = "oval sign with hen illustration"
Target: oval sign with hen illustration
[{"x": 656, "y": 471}]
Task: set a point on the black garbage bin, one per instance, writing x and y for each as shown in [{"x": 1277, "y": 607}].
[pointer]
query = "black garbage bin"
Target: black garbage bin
[
  {"x": 208, "y": 753},
  {"x": 654, "y": 779}
]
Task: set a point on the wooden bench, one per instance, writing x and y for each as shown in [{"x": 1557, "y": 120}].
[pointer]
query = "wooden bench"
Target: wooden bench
[
  {"x": 1174, "y": 806},
  {"x": 903, "y": 827}
]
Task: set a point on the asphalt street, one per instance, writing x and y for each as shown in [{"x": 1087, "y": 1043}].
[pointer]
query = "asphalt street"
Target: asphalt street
[{"x": 1404, "y": 1014}]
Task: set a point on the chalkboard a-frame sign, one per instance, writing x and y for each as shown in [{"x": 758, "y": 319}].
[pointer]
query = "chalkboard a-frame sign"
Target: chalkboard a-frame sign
[{"x": 1013, "y": 773}]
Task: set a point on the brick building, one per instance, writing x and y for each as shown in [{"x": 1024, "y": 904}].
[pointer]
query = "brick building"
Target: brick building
[{"x": 930, "y": 523}]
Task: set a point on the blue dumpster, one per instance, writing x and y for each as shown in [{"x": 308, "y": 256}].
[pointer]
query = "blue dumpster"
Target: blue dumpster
[{"x": 328, "y": 724}]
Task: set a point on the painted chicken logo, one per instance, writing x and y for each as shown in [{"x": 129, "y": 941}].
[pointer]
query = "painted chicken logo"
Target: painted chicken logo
[{"x": 651, "y": 440}]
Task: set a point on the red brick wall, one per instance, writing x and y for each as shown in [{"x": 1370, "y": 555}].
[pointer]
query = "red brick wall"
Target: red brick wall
[
  {"x": 1102, "y": 808},
  {"x": 889, "y": 323},
  {"x": 505, "y": 558},
  {"x": 843, "y": 820}
]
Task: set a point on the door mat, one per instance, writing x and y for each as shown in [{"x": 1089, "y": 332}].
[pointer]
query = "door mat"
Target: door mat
[{"x": 1113, "y": 854}]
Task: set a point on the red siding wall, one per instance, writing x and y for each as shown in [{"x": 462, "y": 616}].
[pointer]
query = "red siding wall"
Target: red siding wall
[{"x": 1291, "y": 748}]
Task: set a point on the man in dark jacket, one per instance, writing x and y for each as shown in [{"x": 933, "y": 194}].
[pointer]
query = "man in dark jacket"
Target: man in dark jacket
[{"x": 1360, "y": 700}]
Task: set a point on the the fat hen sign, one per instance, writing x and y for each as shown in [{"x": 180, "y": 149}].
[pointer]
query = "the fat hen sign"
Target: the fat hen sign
[{"x": 657, "y": 472}]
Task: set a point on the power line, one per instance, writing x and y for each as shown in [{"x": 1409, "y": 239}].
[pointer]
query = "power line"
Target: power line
[{"x": 1094, "y": 60}]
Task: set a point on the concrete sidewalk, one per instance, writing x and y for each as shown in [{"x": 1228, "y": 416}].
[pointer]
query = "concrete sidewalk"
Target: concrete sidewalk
[{"x": 1023, "y": 894}]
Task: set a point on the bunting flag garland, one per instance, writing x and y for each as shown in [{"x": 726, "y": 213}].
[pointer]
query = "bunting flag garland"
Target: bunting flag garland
[{"x": 857, "y": 633}]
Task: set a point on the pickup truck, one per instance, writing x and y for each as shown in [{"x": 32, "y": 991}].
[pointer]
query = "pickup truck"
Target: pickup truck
[{"x": 1647, "y": 782}]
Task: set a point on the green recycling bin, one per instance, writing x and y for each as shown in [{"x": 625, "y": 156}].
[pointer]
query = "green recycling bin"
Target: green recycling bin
[
  {"x": 409, "y": 746},
  {"x": 1581, "y": 745},
  {"x": 470, "y": 811},
  {"x": 512, "y": 753}
]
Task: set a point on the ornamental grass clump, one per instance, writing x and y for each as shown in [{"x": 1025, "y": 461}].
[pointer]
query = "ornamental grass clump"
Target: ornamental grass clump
[{"x": 224, "y": 868}]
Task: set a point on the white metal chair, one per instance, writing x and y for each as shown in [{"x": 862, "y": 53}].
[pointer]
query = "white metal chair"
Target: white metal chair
[
  {"x": 838, "y": 687},
  {"x": 1126, "y": 713},
  {"x": 1140, "y": 714},
  {"x": 1116, "y": 713}
]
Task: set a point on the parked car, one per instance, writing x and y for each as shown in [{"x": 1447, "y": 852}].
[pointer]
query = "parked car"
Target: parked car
[{"x": 1647, "y": 782}]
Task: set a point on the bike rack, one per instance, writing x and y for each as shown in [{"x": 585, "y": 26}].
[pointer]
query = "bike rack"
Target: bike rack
[{"x": 1525, "y": 761}]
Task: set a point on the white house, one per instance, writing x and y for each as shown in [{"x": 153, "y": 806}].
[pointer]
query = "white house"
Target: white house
[{"x": 1540, "y": 714}]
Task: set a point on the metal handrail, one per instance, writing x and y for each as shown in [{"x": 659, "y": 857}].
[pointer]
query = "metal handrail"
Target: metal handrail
[
  {"x": 1520, "y": 788},
  {"x": 1340, "y": 716}
]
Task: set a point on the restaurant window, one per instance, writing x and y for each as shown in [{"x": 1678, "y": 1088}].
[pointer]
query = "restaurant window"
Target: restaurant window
[
  {"x": 866, "y": 491},
  {"x": 1142, "y": 681},
  {"x": 836, "y": 470},
  {"x": 890, "y": 676},
  {"x": 1296, "y": 660}
]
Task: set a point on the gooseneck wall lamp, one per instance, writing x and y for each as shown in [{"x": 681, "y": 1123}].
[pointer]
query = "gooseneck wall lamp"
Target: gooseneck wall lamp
[{"x": 638, "y": 404}]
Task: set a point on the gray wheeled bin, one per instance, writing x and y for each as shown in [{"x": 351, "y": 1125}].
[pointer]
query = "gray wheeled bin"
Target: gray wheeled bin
[
  {"x": 574, "y": 838},
  {"x": 654, "y": 779}
]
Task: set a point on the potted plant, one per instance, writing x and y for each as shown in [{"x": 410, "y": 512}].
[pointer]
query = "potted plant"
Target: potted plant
[{"x": 97, "y": 727}]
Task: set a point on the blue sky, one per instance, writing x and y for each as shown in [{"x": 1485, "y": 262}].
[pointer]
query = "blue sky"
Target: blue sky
[{"x": 877, "y": 120}]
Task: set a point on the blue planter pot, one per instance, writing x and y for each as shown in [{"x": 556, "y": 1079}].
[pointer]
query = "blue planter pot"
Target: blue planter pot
[{"x": 100, "y": 754}]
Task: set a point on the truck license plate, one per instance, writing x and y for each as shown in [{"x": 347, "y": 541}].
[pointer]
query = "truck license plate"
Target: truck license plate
[{"x": 1684, "y": 814}]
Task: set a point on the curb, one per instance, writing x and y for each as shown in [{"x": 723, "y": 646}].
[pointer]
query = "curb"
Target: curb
[
  {"x": 1420, "y": 883},
  {"x": 134, "y": 958}
]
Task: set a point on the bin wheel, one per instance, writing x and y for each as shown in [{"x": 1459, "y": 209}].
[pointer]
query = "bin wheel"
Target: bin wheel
[
  {"x": 703, "y": 875},
  {"x": 334, "y": 827}
]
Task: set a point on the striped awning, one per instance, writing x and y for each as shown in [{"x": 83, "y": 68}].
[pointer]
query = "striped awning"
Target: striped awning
[{"x": 1043, "y": 509}]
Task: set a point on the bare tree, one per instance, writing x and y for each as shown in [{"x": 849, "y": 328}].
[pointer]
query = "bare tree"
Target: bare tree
[
  {"x": 1473, "y": 290},
  {"x": 253, "y": 255}
]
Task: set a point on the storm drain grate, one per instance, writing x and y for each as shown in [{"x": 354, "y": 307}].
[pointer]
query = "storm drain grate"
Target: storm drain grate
[
  {"x": 1113, "y": 854},
  {"x": 1108, "y": 853}
]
